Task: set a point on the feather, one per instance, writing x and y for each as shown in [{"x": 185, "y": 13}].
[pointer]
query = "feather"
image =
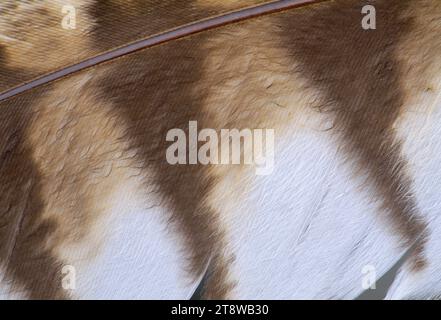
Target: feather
[{"x": 91, "y": 207}]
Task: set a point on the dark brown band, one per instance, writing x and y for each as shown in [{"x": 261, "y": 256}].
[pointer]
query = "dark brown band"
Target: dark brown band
[{"x": 159, "y": 39}]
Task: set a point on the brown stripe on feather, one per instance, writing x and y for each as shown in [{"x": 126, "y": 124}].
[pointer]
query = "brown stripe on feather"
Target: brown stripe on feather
[
  {"x": 154, "y": 91},
  {"x": 47, "y": 47},
  {"x": 157, "y": 93},
  {"x": 30, "y": 239},
  {"x": 359, "y": 74},
  {"x": 30, "y": 266}
]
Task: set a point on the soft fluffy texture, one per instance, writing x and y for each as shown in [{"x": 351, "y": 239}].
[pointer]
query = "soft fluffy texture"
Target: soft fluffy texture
[{"x": 85, "y": 182}]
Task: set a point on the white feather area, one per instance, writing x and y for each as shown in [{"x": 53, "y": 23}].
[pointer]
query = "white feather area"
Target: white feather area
[{"x": 309, "y": 230}]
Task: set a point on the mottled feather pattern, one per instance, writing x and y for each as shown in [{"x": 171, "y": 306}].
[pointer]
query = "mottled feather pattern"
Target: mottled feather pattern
[{"x": 85, "y": 186}]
